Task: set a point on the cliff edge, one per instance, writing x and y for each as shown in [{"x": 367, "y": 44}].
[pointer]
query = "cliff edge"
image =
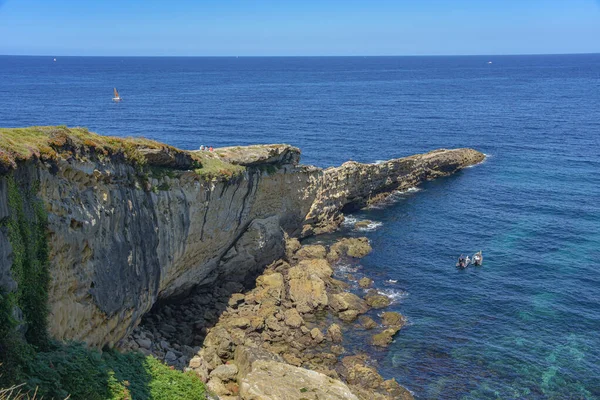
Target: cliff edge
[{"x": 130, "y": 221}]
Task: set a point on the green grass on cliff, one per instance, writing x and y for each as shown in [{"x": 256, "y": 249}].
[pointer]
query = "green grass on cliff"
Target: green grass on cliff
[{"x": 49, "y": 143}]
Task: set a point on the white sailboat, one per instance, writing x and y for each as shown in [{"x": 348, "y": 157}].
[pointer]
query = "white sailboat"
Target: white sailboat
[{"x": 117, "y": 98}]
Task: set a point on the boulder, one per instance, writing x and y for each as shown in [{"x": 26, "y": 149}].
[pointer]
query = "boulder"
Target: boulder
[
  {"x": 317, "y": 335},
  {"x": 357, "y": 372},
  {"x": 293, "y": 319},
  {"x": 334, "y": 332},
  {"x": 311, "y": 267},
  {"x": 311, "y": 251},
  {"x": 225, "y": 372},
  {"x": 376, "y": 300},
  {"x": 390, "y": 318},
  {"x": 367, "y": 322},
  {"x": 308, "y": 294},
  {"x": 348, "y": 315},
  {"x": 347, "y": 301},
  {"x": 269, "y": 380},
  {"x": 385, "y": 337},
  {"x": 352, "y": 247}
]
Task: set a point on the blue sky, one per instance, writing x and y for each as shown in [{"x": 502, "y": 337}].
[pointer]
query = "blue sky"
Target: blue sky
[{"x": 309, "y": 27}]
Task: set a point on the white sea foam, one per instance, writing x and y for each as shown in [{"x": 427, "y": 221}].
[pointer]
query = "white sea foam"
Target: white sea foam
[
  {"x": 342, "y": 268},
  {"x": 350, "y": 221},
  {"x": 394, "y": 294},
  {"x": 394, "y": 197}
]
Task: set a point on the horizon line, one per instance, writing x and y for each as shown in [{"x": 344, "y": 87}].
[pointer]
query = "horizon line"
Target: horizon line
[{"x": 306, "y": 55}]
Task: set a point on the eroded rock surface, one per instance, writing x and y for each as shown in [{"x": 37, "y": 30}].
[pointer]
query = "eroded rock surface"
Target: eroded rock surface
[{"x": 122, "y": 239}]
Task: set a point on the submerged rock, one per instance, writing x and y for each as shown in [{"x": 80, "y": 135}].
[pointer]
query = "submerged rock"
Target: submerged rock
[
  {"x": 384, "y": 338},
  {"x": 362, "y": 224},
  {"x": 365, "y": 283}
]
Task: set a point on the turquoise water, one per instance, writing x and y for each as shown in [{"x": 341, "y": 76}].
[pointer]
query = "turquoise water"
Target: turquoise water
[{"x": 526, "y": 324}]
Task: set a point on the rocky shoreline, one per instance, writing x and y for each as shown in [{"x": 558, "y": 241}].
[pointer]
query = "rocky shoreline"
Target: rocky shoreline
[{"x": 283, "y": 336}]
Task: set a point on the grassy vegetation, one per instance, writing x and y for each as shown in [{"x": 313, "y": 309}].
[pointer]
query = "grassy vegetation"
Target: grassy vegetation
[
  {"x": 54, "y": 370},
  {"x": 50, "y": 143},
  {"x": 215, "y": 168}
]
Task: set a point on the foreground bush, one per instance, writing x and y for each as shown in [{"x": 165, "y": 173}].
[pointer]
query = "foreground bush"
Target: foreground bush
[{"x": 77, "y": 372}]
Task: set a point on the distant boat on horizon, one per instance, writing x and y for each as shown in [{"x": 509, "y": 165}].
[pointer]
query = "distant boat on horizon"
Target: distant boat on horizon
[
  {"x": 55, "y": 60},
  {"x": 117, "y": 98},
  {"x": 489, "y": 62}
]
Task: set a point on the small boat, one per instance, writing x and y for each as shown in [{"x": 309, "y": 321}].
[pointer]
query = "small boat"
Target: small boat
[
  {"x": 463, "y": 262},
  {"x": 477, "y": 259},
  {"x": 117, "y": 98}
]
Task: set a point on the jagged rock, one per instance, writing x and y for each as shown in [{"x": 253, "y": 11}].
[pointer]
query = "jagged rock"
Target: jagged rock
[
  {"x": 216, "y": 386},
  {"x": 308, "y": 294},
  {"x": 335, "y": 333},
  {"x": 365, "y": 283},
  {"x": 311, "y": 251},
  {"x": 317, "y": 335},
  {"x": 225, "y": 372},
  {"x": 367, "y": 322},
  {"x": 293, "y": 318},
  {"x": 390, "y": 318},
  {"x": 347, "y": 301},
  {"x": 272, "y": 154},
  {"x": 352, "y": 247},
  {"x": 376, "y": 300},
  {"x": 292, "y": 245}
]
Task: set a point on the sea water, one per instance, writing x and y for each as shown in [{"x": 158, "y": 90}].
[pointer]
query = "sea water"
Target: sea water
[{"x": 526, "y": 324}]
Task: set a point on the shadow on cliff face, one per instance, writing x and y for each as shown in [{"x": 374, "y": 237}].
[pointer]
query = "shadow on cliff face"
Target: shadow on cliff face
[{"x": 175, "y": 329}]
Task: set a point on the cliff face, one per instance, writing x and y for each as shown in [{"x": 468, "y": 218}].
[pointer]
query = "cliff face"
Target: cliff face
[{"x": 118, "y": 244}]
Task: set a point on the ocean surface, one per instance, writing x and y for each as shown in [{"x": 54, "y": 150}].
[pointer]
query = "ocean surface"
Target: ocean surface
[{"x": 526, "y": 325}]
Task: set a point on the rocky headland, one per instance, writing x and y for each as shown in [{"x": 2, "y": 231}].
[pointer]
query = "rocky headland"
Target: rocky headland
[{"x": 193, "y": 257}]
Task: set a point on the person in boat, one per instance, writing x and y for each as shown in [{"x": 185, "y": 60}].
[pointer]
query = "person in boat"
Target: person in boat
[
  {"x": 477, "y": 259},
  {"x": 461, "y": 262},
  {"x": 467, "y": 260}
]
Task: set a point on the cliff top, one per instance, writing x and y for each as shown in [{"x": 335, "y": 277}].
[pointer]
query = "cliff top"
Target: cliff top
[{"x": 51, "y": 143}]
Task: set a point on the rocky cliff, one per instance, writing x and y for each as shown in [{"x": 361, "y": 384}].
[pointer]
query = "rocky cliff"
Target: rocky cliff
[{"x": 132, "y": 222}]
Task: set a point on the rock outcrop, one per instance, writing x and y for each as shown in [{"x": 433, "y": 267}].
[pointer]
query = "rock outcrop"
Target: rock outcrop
[{"x": 123, "y": 236}]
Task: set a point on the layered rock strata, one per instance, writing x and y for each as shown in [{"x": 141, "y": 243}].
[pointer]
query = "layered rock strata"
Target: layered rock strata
[{"x": 120, "y": 240}]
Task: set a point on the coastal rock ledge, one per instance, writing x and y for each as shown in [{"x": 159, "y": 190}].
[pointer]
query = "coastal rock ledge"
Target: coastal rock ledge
[{"x": 132, "y": 221}]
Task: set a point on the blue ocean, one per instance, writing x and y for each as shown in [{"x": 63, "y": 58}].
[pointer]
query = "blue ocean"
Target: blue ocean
[{"x": 526, "y": 325}]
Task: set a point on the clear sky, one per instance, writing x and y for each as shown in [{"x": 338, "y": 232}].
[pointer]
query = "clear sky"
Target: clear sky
[{"x": 305, "y": 27}]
